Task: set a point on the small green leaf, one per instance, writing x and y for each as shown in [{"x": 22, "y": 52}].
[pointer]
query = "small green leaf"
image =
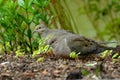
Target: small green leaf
[
  {"x": 1, "y": 41},
  {"x": 98, "y": 70},
  {"x": 19, "y": 53},
  {"x": 74, "y": 54},
  {"x": 35, "y": 53},
  {"x": 7, "y": 44},
  {"x": 84, "y": 72},
  {"x": 115, "y": 55},
  {"x": 28, "y": 4},
  {"x": 40, "y": 59},
  {"x": 1, "y": 3},
  {"x": 105, "y": 53},
  {"x": 21, "y": 3}
]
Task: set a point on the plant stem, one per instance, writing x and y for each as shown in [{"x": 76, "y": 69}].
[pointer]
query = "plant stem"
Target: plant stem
[{"x": 31, "y": 51}]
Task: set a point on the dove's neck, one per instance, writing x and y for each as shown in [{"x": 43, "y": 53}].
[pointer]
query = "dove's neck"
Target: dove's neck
[{"x": 45, "y": 33}]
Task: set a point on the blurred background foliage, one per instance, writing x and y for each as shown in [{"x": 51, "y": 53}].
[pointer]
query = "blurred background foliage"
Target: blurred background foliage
[{"x": 96, "y": 19}]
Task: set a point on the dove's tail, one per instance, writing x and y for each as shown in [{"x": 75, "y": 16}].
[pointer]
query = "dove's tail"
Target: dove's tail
[
  {"x": 103, "y": 48},
  {"x": 115, "y": 42}
]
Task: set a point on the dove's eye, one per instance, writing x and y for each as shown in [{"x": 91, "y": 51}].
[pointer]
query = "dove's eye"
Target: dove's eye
[{"x": 39, "y": 28}]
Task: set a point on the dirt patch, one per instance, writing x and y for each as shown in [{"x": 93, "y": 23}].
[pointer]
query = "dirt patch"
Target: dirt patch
[{"x": 52, "y": 68}]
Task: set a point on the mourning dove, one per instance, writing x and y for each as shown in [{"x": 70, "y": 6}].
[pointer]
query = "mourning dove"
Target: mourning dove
[{"x": 64, "y": 42}]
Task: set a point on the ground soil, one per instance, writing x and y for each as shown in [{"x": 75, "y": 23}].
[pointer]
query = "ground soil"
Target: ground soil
[{"x": 54, "y": 68}]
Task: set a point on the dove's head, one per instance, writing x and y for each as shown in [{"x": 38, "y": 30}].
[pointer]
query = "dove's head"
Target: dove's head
[{"x": 40, "y": 28}]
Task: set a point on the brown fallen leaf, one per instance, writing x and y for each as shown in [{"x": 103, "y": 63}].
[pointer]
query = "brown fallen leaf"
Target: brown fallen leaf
[
  {"x": 5, "y": 74},
  {"x": 44, "y": 72},
  {"x": 56, "y": 73},
  {"x": 28, "y": 74}
]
